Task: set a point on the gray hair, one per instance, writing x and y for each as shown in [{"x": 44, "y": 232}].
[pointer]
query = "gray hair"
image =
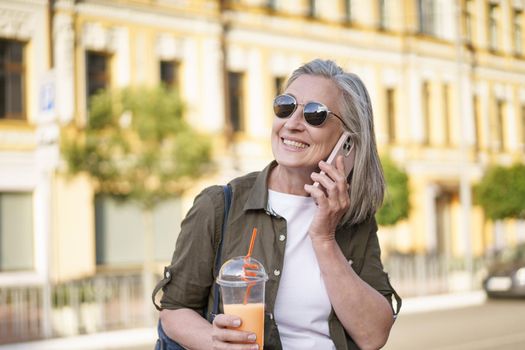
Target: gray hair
[{"x": 367, "y": 183}]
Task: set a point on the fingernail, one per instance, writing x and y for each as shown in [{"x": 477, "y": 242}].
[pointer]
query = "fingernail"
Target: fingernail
[
  {"x": 255, "y": 347},
  {"x": 252, "y": 337},
  {"x": 236, "y": 323}
]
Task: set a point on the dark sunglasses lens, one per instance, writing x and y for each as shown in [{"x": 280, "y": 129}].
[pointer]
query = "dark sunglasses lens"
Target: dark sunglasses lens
[
  {"x": 283, "y": 106},
  {"x": 315, "y": 114}
]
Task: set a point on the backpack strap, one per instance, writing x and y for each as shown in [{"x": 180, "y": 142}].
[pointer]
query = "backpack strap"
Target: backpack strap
[{"x": 218, "y": 261}]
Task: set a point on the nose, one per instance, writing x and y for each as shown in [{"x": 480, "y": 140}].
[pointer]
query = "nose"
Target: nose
[{"x": 296, "y": 120}]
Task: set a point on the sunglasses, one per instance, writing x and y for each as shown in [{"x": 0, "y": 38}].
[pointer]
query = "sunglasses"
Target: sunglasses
[{"x": 315, "y": 113}]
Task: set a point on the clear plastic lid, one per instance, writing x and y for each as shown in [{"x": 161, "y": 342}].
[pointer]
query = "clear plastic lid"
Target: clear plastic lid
[{"x": 241, "y": 271}]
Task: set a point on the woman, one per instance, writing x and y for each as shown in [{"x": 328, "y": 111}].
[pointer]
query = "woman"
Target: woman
[{"x": 327, "y": 288}]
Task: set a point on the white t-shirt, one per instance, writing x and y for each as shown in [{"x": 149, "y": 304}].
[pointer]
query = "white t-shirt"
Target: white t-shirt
[{"x": 302, "y": 306}]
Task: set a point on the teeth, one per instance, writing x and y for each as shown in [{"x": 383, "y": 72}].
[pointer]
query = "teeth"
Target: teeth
[{"x": 294, "y": 143}]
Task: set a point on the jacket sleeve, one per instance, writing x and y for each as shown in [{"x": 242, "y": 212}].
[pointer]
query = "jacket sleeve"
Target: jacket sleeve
[{"x": 372, "y": 271}]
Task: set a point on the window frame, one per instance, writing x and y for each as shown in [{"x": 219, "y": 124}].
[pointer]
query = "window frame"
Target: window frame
[
  {"x": 499, "y": 123},
  {"x": 522, "y": 111},
  {"x": 312, "y": 8},
  {"x": 446, "y": 95},
  {"x": 517, "y": 31},
  {"x": 236, "y": 101},
  {"x": 279, "y": 82},
  {"x": 30, "y": 250},
  {"x": 382, "y": 14},
  {"x": 347, "y": 7},
  {"x": 468, "y": 20},
  {"x": 390, "y": 114},
  {"x": 492, "y": 25},
  {"x": 174, "y": 81},
  {"x": 477, "y": 123},
  {"x": 7, "y": 70},
  {"x": 426, "y": 95},
  {"x": 106, "y": 76},
  {"x": 426, "y": 17}
]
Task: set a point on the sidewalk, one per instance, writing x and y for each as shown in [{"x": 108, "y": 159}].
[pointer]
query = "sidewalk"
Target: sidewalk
[
  {"x": 115, "y": 340},
  {"x": 442, "y": 302},
  {"x": 146, "y": 337}
]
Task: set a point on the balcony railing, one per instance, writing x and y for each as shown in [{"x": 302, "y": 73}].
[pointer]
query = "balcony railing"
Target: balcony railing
[
  {"x": 417, "y": 275},
  {"x": 100, "y": 303}
]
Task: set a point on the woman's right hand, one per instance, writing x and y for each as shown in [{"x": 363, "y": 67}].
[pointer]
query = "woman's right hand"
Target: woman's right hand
[{"x": 224, "y": 336}]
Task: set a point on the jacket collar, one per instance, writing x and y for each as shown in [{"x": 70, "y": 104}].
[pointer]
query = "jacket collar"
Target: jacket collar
[{"x": 258, "y": 196}]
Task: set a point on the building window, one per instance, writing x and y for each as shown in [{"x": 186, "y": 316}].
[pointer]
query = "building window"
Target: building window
[
  {"x": 499, "y": 125},
  {"x": 517, "y": 31},
  {"x": 236, "y": 103},
  {"x": 383, "y": 14},
  {"x": 16, "y": 231},
  {"x": 468, "y": 19},
  {"x": 391, "y": 114},
  {"x": 312, "y": 11},
  {"x": 425, "y": 101},
  {"x": 523, "y": 127},
  {"x": 279, "y": 85},
  {"x": 97, "y": 74},
  {"x": 476, "y": 116},
  {"x": 493, "y": 26},
  {"x": 446, "y": 113},
  {"x": 169, "y": 73},
  {"x": 348, "y": 10},
  {"x": 12, "y": 79},
  {"x": 426, "y": 16},
  {"x": 117, "y": 222}
]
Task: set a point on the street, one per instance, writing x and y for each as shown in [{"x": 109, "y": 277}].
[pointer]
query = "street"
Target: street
[
  {"x": 487, "y": 325},
  {"x": 493, "y": 325},
  {"x": 496, "y": 324}
]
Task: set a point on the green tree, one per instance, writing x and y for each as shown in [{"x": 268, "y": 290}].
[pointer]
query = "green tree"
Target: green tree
[
  {"x": 137, "y": 146},
  {"x": 396, "y": 204},
  {"x": 501, "y": 192}
]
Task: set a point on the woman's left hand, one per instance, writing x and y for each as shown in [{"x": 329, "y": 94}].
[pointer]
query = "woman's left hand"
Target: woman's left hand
[{"x": 332, "y": 199}]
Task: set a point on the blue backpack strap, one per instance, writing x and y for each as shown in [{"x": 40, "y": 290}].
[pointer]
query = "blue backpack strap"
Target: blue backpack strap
[{"x": 218, "y": 261}]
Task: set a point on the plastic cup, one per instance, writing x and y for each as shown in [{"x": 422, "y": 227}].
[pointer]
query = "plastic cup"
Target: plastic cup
[{"x": 242, "y": 281}]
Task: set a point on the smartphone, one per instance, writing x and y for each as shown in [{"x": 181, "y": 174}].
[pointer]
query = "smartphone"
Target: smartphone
[{"x": 345, "y": 148}]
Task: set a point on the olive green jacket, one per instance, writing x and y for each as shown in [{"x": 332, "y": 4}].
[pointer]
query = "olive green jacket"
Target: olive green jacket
[{"x": 188, "y": 280}]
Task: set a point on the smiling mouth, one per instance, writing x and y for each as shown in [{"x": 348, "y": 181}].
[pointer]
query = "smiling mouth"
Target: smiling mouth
[{"x": 295, "y": 144}]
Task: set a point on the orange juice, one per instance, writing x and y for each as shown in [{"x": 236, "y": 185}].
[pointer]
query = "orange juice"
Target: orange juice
[{"x": 252, "y": 316}]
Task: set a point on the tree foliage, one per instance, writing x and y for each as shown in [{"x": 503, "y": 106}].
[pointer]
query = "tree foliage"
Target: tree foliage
[
  {"x": 137, "y": 145},
  {"x": 396, "y": 204},
  {"x": 501, "y": 192}
]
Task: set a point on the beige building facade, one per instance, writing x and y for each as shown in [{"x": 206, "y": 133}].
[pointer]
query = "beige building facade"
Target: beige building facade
[{"x": 447, "y": 81}]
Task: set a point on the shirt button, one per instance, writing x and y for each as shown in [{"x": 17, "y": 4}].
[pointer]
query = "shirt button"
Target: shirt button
[
  {"x": 168, "y": 274},
  {"x": 276, "y": 272},
  {"x": 282, "y": 237}
]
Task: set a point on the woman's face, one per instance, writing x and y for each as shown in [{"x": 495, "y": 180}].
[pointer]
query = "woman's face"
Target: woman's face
[{"x": 295, "y": 143}]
